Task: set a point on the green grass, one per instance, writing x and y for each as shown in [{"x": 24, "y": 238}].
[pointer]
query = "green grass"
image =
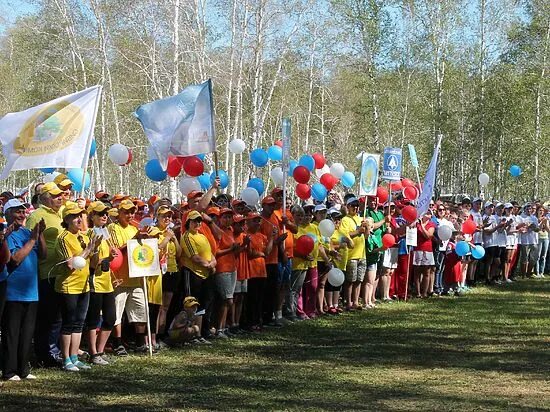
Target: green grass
[{"x": 488, "y": 350}]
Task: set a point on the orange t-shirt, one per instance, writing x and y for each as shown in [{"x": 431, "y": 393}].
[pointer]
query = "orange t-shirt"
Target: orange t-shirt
[
  {"x": 242, "y": 261},
  {"x": 289, "y": 242},
  {"x": 228, "y": 262},
  {"x": 267, "y": 228},
  {"x": 256, "y": 266}
]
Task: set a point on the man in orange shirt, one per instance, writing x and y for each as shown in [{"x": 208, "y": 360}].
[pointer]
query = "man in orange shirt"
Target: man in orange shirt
[{"x": 241, "y": 286}]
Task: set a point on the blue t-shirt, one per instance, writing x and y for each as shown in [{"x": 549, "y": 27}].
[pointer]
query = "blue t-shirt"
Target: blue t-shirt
[
  {"x": 3, "y": 274},
  {"x": 23, "y": 281}
]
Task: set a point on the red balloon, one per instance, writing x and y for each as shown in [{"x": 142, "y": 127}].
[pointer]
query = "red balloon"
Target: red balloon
[
  {"x": 279, "y": 143},
  {"x": 193, "y": 166},
  {"x": 410, "y": 192},
  {"x": 388, "y": 240},
  {"x": 174, "y": 166},
  {"x": 304, "y": 245},
  {"x": 320, "y": 161},
  {"x": 382, "y": 194},
  {"x": 407, "y": 182},
  {"x": 396, "y": 186},
  {"x": 328, "y": 180},
  {"x": 469, "y": 227},
  {"x": 130, "y": 157},
  {"x": 303, "y": 191},
  {"x": 301, "y": 174},
  {"x": 409, "y": 213},
  {"x": 118, "y": 260}
]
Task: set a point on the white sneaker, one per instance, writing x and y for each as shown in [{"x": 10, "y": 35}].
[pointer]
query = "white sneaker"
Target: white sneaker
[
  {"x": 98, "y": 360},
  {"x": 14, "y": 378},
  {"x": 30, "y": 377},
  {"x": 70, "y": 367},
  {"x": 220, "y": 335},
  {"x": 509, "y": 281},
  {"x": 542, "y": 275}
]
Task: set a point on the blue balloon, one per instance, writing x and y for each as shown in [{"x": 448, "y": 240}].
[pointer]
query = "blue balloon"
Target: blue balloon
[
  {"x": 308, "y": 162},
  {"x": 462, "y": 248},
  {"x": 153, "y": 170},
  {"x": 313, "y": 236},
  {"x": 293, "y": 164},
  {"x": 259, "y": 157},
  {"x": 515, "y": 170},
  {"x": 478, "y": 252},
  {"x": 275, "y": 153},
  {"x": 204, "y": 181},
  {"x": 348, "y": 179},
  {"x": 47, "y": 169},
  {"x": 224, "y": 178},
  {"x": 258, "y": 184},
  {"x": 75, "y": 176},
  {"x": 318, "y": 192},
  {"x": 93, "y": 148},
  {"x": 201, "y": 156}
]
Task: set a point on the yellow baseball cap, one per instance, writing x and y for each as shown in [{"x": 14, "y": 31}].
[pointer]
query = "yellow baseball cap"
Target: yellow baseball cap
[
  {"x": 127, "y": 205},
  {"x": 51, "y": 188},
  {"x": 62, "y": 180},
  {"x": 153, "y": 231},
  {"x": 162, "y": 210},
  {"x": 97, "y": 207},
  {"x": 113, "y": 212},
  {"x": 194, "y": 215},
  {"x": 71, "y": 209},
  {"x": 190, "y": 301}
]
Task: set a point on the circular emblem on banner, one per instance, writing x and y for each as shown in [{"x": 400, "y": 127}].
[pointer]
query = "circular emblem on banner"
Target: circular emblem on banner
[
  {"x": 50, "y": 129},
  {"x": 370, "y": 175},
  {"x": 143, "y": 256},
  {"x": 393, "y": 162}
]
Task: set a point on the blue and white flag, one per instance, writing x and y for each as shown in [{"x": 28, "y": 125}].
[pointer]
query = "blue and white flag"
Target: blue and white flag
[
  {"x": 180, "y": 125},
  {"x": 429, "y": 183},
  {"x": 369, "y": 174}
]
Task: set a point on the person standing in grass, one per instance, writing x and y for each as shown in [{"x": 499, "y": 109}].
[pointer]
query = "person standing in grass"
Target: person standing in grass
[
  {"x": 423, "y": 258},
  {"x": 241, "y": 286},
  {"x": 544, "y": 227},
  {"x": 341, "y": 244}
]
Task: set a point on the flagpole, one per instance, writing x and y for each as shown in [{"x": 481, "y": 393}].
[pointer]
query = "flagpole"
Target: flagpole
[
  {"x": 211, "y": 99},
  {"x": 147, "y": 315},
  {"x": 89, "y": 143}
]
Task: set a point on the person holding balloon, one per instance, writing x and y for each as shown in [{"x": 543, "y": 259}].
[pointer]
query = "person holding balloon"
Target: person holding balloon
[
  {"x": 102, "y": 296},
  {"x": 423, "y": 258},
  {"x": 341, "y": 244},
  {"x": 511, "y": 240},
  {"x": 75, "y": 252},
  {"x": 326, "y": 229},
  {"x": 452, "y": 270}
]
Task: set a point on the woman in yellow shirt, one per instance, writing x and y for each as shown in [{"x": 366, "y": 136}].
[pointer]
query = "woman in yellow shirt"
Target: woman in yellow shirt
[{"x": 72, "y": 283}]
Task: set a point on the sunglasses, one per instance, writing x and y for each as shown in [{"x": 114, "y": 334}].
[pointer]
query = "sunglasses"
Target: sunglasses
[{"x": 442, "y": 209}]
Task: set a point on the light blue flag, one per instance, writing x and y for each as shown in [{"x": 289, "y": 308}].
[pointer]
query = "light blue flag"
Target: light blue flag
[
  {"x": 180, "y": 125},
  {"x": 429, "y": 183},
  {"x": 412, "y": 154}
]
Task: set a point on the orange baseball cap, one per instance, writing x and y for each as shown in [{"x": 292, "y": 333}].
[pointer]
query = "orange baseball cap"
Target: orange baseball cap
[
  {"x": 268, "y": 200},
  {"x": 193, "y": 194},
  {"x": 276, "y": 190},
  {"x": 225, "y": 210},
  {"x": 253, "y": 215},
  {"x": 212, "y": 210},
  {"x": 238, "y": 218},
  {"x": 101, "y": 195}
]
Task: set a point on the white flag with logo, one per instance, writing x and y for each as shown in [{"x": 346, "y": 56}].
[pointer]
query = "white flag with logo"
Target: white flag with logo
[{"x": 54, "y": 134}]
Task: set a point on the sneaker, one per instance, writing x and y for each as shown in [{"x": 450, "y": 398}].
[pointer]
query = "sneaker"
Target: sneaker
[
  {"x": 14, "y": 378},
  {"x": 203, "y": 341},
  {"x": 509, "y": 281},
  {"x": 542, "y": 276},
  {"x": 98, "y": 360},
  {"x": 82, "y": 366},
  {"x": 70, "y": 367},
  {"x": 162, "y": 344},
  {"x": 228, "y": 333},
  {"x": 120, "y": 351},
  {"x": 30, "y": 377},
  {"x": 220, "y": 335},
  {"x": 389, "y": 300},
  {"x": 84, "y": 356}
]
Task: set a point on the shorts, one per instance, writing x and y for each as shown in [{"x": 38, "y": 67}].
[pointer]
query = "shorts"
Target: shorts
[
  {"x": 172, "y": 282},
  {"x": 492, "y": 252},
  {"x": 284, "y": 272},
  {"x": 225, "y": 284},
  {"x": 372, "y": 267},
  {"x": 421, "y": 258},
  {"x": 322, "y": 268},
  {"x": 528, "y": 254},
  {"x": 390, "y": 258},
  {"x": 130, "y": 300},
  {"x": 241, "y": 286},
  {"x": 355, "y": 270}
]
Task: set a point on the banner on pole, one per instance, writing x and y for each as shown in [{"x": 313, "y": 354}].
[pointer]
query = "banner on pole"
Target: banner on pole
[
  {"x": 58, "y": 133},
  {"x": 180, "y": 125},
  {"x": 369, "y": 174},
  {"x": 429, "y": 183},
  {"x": 143, "y": 258},
  {"x": 412, "y": 154},
  {"x": 393, "y": 160}
]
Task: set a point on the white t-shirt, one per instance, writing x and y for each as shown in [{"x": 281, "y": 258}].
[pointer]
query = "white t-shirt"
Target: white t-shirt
[
  {"x": 500, "y": 236},
  {"x": 511, "y": 234},
  {"x": 489, "y": 239},
  {"x": 530, "y": 237},
  {"x": 478, "y": 219}
]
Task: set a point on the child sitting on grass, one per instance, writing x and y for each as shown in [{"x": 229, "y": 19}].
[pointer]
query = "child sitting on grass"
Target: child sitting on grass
[{"x": 186, "y": 326}]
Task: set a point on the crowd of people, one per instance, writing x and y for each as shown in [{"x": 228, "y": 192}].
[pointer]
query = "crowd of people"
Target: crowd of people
[{"x": 228, "y": 268}]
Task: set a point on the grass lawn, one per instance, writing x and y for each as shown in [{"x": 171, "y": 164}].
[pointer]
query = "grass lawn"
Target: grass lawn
[{"x": 489, "y": 350}]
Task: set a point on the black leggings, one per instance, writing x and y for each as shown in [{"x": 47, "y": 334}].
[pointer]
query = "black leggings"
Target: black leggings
[
  {"x": 254, "y": 300},
  {"x": 153, "y": 316},
  {"x": 73, "y": 312},
  {"x": 104, "y": 304}
]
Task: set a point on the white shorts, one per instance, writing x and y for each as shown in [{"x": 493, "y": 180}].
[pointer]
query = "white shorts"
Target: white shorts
[
  {"x": 241, "y": 286},
  {"x": 390, "y": 258},
  {"x": 423, "y": 258},
  {"x": 132, "y": 301}
]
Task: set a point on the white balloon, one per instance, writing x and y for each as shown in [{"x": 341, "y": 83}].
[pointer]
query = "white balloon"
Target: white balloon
[
  {"x": 250, "y": 196},
  {"x": 237, "y": 146},
  {"x": 49, "y": 177},
  {"x": 326, "y": 227},
  {"x": 277, "y": 176},
  {"x": 337, "y": 170},
  {"x": 483, "y": 179},
  {"x": 444, "y": 232},
  {"x": 119, "y": 154},
  {"x": 188, "y": 184},
  {"x": 79, "y": 262},
  {"x": 151, "y": 153},
  {"x": 336, "y": 277},
  {"x": 320, "y": 172}
]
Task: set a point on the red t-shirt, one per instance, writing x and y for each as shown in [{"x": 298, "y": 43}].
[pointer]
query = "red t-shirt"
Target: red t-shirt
[
  {"x": 256, "y": 266},
  {"x": 423, "y": 243},
  {"x": 227, "y": 262},
  {"x": 242, "y": 260}
]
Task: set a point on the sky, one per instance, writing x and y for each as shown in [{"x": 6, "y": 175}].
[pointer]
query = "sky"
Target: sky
[{"x": 11, "y": 9}]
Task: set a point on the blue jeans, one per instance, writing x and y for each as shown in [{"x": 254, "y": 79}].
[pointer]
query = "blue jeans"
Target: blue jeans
[
  {"x": 439, "y": 257},
  {"x": 541, "y": 260}
]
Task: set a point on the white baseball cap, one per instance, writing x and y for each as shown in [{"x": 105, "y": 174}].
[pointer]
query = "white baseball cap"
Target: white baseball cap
[{"x": 12, "y": 203}]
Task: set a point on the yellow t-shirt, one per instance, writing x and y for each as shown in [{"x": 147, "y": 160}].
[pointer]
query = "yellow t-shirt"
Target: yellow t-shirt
[
  {"x": 297, "y": 262},
  {"x": 350, "y": 224},
  {"x": 71, "y": 282},
  {"x": 313, "y": 229},
  {"x": 101, "y": 281},
  {"x": 171, "y": 256},
  {"x": 195, "y": 244},
  {"x": 337, "y": 239},
  {"x": 154, "y": 289},
  {"x": 53, "y": 229},
  {"x": 120, "y": 237}
]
